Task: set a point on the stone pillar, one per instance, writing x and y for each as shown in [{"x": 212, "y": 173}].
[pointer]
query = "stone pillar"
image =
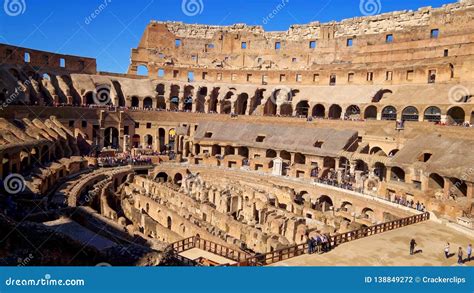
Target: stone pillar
[
  {"x": 206, "y": 104},
  {"x": 277, "y": 167},
  {"x": 340, "y": 174},
  {"x": 194, "y": 105},
  {"x": 444, "y": 118},
  {"x": 448, "y": 184}
]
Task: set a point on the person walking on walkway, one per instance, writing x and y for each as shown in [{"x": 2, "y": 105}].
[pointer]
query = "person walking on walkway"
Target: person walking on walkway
[
  {"x": 446, "y": 250},
  {"x": 460, "y": 254},
  {"x": 412, "y": 246},
  {"x": 469, "y": 252}
]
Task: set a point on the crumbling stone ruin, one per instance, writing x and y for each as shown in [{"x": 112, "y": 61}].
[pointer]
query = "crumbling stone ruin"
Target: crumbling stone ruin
[{"x": 251, "y": 140}]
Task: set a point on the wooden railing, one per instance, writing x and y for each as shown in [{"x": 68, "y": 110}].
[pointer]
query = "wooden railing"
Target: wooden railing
[
  {"x": 183, "y": 245},
  {"x": 206, "y": 245},
  {"x": 377, "y": 229},
  {"x": 221, "y": 250},
  {"x": 297, "y": 250}
]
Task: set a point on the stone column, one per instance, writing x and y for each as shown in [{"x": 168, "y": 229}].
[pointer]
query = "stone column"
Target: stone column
[
  {"x": 206, "y": 104},
  {"x": 447, "y": 187}
]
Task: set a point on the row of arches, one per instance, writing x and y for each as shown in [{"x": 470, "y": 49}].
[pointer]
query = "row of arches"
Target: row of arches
[{"x": 410, "y": 113}]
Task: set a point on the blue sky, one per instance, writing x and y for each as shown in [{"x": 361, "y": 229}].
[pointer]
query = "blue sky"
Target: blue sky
[{"x": 63, "y": 26}]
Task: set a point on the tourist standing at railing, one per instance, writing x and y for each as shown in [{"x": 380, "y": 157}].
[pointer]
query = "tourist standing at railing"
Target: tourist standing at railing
[{"x": 324, "y": 243}]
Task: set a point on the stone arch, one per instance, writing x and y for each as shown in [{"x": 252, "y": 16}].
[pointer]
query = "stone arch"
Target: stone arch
[
  {"x": 377, "y": 151},
  {"x": 188, "y": 98},
  {"x": 458, "y": 188},
  {"x": 370, "y": 113},
  {"x": 174, "y": 97},
  {"x": 286, "y": 109},
  {"x": 135, "y": 102},
  {"x": 226, "y": 104},
  {"x": 319, "y": 111},
  {"x": 456, "y": 115},
  {"x": 323, "y": 203},
  {"x": 368, "y": 214},
  {"x": 160, "y": 89},
  {"x": 285, "y": 155},
  {"x": 148, "y": 141},
  {"x": 201, "y": 99},
  {"x": 432, "y": 114},
  {"x": 347, "y": 207},
  {"x": 213, "y": 100},
  {"x": 240, "y": 105},
  {"x": 161, "y": 177},
  {"x": 270, "y": 108},
  {"x": 389, "y": 113},
  {"x": 147, "y": 103},
  {"x": 380, "y": 170},
  {"x": 256, "y": 101},
  {"x": 178, "y": 178},
  {"x": 142, "y": 70},
  {"x": 397, "y": 174},
  {"x": 353, "y": 112},
  {"x": 302, "y": 108},
  {"x": 410, "y": 113},
  {"x": 393, "y": 152},
  {"x": 335, "y": 112},
  {"x": 435, "y": 181},
  {"x": 88, "y": 98},
  {"x": 270, "y": 153}
]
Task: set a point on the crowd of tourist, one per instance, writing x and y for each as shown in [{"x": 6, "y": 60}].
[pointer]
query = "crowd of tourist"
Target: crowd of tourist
[
  {"x": 409, "y": 203},
  {"x": 318, "y": 243},
  {"x": 123, "y": 160}
]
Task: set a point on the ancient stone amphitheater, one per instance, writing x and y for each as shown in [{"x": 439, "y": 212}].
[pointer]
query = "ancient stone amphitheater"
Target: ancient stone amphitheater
[{"x": 238, "y": 144}]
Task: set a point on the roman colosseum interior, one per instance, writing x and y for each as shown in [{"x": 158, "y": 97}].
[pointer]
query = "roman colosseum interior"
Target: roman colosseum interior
[{"x": 238, "y": 144}]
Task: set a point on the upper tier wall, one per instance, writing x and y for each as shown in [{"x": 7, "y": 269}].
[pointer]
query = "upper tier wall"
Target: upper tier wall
[{"x": 410, "y": 40}]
